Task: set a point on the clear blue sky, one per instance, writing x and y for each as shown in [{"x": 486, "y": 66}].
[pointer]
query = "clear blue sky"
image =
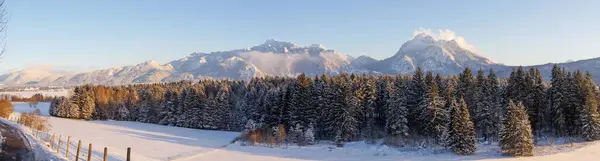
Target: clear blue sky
[{"x": 83, "y": 34}]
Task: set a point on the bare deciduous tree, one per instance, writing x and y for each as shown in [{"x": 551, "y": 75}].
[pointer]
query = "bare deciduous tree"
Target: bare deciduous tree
[{"x": 3, "y": 26}]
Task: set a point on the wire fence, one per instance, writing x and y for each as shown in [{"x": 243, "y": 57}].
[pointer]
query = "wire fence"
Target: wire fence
[{"x": 65, "y": 146}]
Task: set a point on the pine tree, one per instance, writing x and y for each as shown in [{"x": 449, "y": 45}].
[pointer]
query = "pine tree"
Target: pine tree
[
  {"x": 167, "y": 115},
  {"x": 495, "y": 100},
  {"x": 341, "y": 121},
  {"x": 396, "y": 112},
  {"x": 540, "y": 104},
  {"x": 587, "y": 121},
  {"x": 416, "y": 102},
  {"x": 86, "y": 107},
  {"x": 557, "y": 102},
  {"x": 435, "y": 115},
  {"x": 466, "y": 89},
  {"x": 303, "y": 113},
  {"x": 516, "y": 138},
  {"x": 82, "y": 97},
  {"x": 369, "y": 110},
  {"x": 483, "y": 105},
  {"x": 384, "y": 87},
  {"x": 462, "y": 131}
]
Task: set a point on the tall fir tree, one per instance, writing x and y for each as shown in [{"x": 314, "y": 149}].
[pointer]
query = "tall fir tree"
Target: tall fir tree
[
  {"x": 557, "y": 102},
  {"x": 342, "y": 121},
  {"x": 434, "y": 113},
  {"x": 462, "y": 131},
  {"x": 370, "y": 128},
  {"x": 397, "y": 112},
  {"x": 466, "y": 88},
  {"x": 587, "y": 121},
  {"x": 516, "y": 138},
  {"x": 416, "y": 102}
]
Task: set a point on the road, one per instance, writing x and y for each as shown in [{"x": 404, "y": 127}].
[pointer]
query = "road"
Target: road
[{"x": 15, "y": 147}]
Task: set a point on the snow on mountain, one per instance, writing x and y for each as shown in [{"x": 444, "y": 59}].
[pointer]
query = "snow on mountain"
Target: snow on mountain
[
  {"x": 432, "y": 54},
  {"x": 272, "y": 58},
  {"x": 443, "y": 52},
  {"x": 31, "y": 75}
]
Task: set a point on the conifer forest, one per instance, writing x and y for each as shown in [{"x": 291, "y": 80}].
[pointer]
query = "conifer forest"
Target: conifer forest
[{"x": 421, "y": 109}]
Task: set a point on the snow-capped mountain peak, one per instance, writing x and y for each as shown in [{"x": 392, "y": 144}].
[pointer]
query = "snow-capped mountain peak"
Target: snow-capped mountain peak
[
  {"x": 275, "y": 46},
  {"x": 445, "y": 53}
]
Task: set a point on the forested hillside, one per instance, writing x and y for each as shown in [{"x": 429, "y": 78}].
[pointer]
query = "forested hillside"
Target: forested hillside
[{"x": 421, "y": 110}]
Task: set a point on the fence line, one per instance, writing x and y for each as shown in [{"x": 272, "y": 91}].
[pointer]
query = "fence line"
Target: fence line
[{"x": 48, "y": 139}]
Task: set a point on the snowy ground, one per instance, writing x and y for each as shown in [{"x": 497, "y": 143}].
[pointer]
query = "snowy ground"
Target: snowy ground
[
  {"x": 156, "y": 142},
  {"x": 147, "y": 141},
  {"x": 40, "y": 149},
  {"x": 62, "y": 92}
]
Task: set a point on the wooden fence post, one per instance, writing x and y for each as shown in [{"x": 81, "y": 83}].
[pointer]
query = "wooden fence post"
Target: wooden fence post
[
  {"x": 105, "y": 152},
  {"x": 67, "y": 152},
  {"x": 89, "y": 157},
  {"x": 128, "y": 154},
  {"x": 52, "y": 141},
  {"x": 78, "y": 148},
  {"x": 58, "y": 149}
]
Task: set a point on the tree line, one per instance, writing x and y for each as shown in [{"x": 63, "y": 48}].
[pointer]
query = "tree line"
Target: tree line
[
  {"x": 38, "y": 97},
  {"x": 420, "y": 109}
]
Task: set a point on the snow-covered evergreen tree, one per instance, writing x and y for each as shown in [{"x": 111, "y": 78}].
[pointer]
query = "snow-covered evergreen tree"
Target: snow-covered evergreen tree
[
  {"x": 587, "y": 121},
  {"x": 302, "y": 112},
  {"x": 462, "y": 131},
  {"x": 341, "y": 120},
  {"x": 516, "y": 138},
  {"x": 123, "y": 113},
  {"x": 437, "y": 118},
  {"x": 557, "y": 102},
  {"x": 396, "y": 111},
  {"x": 416, "y": 102},
  {"x": 369, "y": 129},
  {"x": 466, "y": 89}
]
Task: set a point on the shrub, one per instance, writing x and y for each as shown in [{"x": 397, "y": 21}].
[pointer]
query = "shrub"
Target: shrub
[
  {"x": 6, "y": 108},
  {"x": 33, "y": 120}
]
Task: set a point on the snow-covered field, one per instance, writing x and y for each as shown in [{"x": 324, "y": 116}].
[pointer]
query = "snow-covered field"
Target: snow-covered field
[
  {"x": 147, "y": 141},
  {"x": 41, "y": 150},
  {"x": 156, "y": 142},
  {"x": 62, "y": 92}
]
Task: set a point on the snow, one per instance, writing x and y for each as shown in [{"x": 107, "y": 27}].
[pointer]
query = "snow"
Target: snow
[
  {"x": 156, "y": 142},
  {"x": 62, "y": 92},
  {"x": 147, "y": 141},
  {"x": 40, "y": 149}
]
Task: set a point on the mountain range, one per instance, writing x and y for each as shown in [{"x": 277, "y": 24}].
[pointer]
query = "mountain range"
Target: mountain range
[{"x": 280, "y": 58}]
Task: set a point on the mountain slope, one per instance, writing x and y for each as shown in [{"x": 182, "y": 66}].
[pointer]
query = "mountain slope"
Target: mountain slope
[
  {"x": 431, "y": 54},
  {"x": 270, "y": 58},
  {"x": 279, "y": 58}
]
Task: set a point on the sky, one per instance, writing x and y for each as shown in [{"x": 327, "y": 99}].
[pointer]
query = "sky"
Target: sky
[{"x": 79, "y": 35}]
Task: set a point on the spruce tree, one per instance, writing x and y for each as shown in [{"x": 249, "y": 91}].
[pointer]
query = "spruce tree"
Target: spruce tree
[
  {"x": 482, "y": 107},
  {"x": 587, "y": 121},
  {"x": 433, "y": 112},
  {"x": 341, "y": 121},
  {"x": 303, "y": 112},
  {"x": 466, "y": 89},
  {"x": 397, "y": 112},
  {"x": 516, "y": 138},
  {"x": 462, "y": 131},
  {"x": 416, "y": 102},
  {"x": 495, "y": 100},
  {"x": 383, "y": 91},
  {"x": 557, "y": 102},
  {"x": 369, "y": 110}
]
